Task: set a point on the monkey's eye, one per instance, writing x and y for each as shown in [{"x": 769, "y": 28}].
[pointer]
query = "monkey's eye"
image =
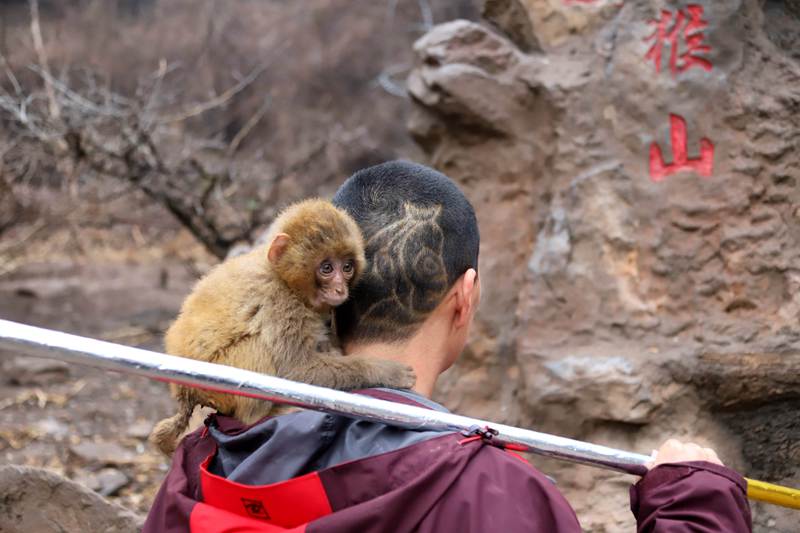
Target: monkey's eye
[
  {"x": 348, "y": 267},
  {"x": 326, "y": 267}
]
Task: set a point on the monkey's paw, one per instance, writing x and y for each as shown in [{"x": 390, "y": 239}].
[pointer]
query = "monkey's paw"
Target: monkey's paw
[{"x": 394, "y": 375}]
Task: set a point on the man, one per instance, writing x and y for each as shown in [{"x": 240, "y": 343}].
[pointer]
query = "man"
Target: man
[{"x": 309, "y": 471}]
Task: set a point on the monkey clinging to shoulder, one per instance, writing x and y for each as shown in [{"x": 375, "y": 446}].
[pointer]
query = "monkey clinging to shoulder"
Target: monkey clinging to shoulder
[{"x": 265, "y": 311}]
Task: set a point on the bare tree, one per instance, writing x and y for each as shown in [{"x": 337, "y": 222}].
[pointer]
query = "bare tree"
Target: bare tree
[
  {"x": 81, "y": 128},
  {"x": 10, "y": 206}
]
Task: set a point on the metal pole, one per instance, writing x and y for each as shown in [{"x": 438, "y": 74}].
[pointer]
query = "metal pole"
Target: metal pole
[{"x": 40, "y": 342}]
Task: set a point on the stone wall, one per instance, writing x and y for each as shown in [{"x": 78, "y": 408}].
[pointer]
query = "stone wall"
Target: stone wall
[{"x": 634, "y": 166}]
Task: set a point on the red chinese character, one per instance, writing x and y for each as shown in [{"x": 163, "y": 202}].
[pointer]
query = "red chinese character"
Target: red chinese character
[
  {"x": 692, "y": 33},
  {"x": 703, "y": 165}
]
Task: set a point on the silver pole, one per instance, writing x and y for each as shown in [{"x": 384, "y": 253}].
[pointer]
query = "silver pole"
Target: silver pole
[{"x": 40, "y": 342}]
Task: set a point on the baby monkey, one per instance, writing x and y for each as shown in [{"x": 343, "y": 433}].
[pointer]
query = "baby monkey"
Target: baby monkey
[{"x": 266, "y": 311}]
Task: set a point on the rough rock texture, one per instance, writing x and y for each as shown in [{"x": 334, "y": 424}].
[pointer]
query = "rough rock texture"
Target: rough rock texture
[
  {"x": 633, "y": 289},
  {"x": 35, "y": 499},
  {"x": 88, "y": 424}
]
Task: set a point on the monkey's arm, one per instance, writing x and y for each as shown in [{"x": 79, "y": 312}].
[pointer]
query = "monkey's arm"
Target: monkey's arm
[
  {"x": 353, "y": 372},
  {"x": 300, "y": 361}
]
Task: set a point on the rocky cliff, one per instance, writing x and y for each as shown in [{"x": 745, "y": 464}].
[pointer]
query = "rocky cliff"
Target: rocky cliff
[{"x": 634, "y": 166}]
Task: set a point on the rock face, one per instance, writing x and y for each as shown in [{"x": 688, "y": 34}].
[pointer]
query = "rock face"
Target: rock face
[
  {"x": 34, "y": 499},
  {"x": 635, "y": 170}
]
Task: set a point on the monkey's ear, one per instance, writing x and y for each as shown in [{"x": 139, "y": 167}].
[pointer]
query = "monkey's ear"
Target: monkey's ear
[{"x": 277, "y": 247}]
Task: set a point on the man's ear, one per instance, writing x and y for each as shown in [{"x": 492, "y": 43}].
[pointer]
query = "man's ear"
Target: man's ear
[
  {"x": 277, "y": 247},
  {"x": 465, "y": 301}
]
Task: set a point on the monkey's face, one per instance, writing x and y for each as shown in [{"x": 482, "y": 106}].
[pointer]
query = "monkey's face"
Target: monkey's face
[{"x": 334, "y": 276}]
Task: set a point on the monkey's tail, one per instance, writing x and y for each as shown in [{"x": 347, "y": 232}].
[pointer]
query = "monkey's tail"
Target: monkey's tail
[{"x": 165, "y": 434}]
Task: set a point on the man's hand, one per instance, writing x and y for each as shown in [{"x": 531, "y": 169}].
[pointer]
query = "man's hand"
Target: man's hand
[{"x": 675, "y": 451}]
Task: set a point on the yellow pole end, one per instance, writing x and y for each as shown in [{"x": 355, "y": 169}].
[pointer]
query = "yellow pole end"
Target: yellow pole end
[{"x": 776, "y": 494}]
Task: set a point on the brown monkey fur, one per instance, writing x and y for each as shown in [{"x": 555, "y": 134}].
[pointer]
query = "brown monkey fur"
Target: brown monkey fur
[{"x": 265, "y": 311}]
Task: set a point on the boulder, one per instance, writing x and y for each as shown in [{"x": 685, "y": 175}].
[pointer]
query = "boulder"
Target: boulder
[{"x": 34, "y": 499}]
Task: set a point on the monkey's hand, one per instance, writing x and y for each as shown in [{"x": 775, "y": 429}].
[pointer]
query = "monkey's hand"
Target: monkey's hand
[
  {"x": 351, "y": 372},
  {"x": 386, "y": 373}
]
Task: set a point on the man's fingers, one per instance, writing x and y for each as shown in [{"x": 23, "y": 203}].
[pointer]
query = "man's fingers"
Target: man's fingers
[
  {"x": 712, "y": 456},
  {"x": 675, "y": 451}
]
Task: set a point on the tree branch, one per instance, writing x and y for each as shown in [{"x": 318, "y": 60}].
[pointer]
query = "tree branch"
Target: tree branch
[
  {"x": 38, "y": 45},
  {"x": 219, "y": 100}
]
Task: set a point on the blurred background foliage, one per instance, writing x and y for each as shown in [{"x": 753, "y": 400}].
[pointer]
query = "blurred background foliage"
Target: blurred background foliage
[{"x": 215, "y": 111}]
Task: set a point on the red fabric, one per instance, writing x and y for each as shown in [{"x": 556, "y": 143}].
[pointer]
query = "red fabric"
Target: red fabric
[
  {"x": 433, "y": 486},
  {"x": 287, "y": 504},
  {"x": 180, "y": 491},
  {"x": 440, "y": 485},
  {"x": 209, "y": 519},
  {"x": 518, "y": 456},
  {"x": 693, "y": 496}
]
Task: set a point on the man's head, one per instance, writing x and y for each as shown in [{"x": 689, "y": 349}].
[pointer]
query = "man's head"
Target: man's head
[{"x": 421, "y": 237}]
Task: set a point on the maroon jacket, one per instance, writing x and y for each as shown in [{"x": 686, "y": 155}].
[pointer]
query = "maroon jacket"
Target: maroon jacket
[{"x": 312, "y": 472}]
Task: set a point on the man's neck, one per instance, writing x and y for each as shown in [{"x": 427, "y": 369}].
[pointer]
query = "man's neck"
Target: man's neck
[{"x": 418, "y": 352}]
